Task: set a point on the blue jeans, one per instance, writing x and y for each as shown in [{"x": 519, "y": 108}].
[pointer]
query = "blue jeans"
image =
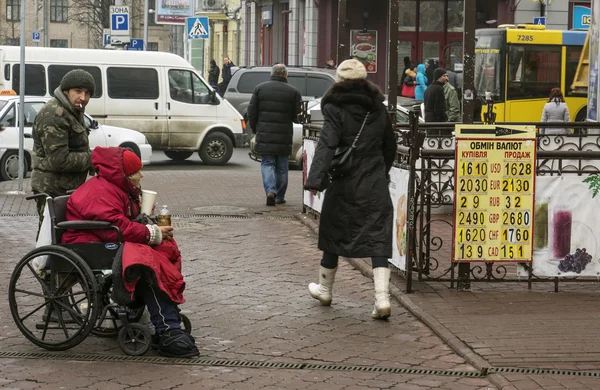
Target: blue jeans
[{"x": 274, "y": 171}]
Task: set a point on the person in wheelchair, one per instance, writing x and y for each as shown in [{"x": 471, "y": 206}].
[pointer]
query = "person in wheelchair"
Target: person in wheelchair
[{"x": 151, "y": 261}]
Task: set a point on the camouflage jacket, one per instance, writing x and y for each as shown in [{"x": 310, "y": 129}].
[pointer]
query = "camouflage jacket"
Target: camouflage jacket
[{"x": 61, "y": 150}]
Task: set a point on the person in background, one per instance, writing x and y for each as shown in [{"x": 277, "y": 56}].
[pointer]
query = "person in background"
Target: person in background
[
  {"x": 357, "y": 214},
  {"x": 421, "y": 80},
  {"x": 409, "y": 85},
  {"x": 213, "y": 75},
  {"x": 555, "y": 110},
  {"x": 330, "y": 64},
  {"x": 434, "y": 99},
  {"x": 150, "y": 266},
  {"x": 61, "y": 149},
  {"x": 407, "y": 66},
  {"x": 452, "y": 103},
  {"x": 226, "y": 73},
  {"x": 273, "y": 108},
  {"x": 429, "y": 69}
]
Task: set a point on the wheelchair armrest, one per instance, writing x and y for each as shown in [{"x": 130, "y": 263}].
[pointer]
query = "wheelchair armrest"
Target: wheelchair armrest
[
  {"x": 34, "y": 196},
  {"x": 84, "y": 225}
]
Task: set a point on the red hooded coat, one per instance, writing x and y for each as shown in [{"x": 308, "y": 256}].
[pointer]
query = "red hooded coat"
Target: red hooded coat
[{"x": 110, "y": 196}]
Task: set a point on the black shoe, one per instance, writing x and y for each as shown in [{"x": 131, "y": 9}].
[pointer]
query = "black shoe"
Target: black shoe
[
  {"x": 279, "y": 201},
  {"x": 271, "y": 199},
  {"x": 177, "y": 343}
]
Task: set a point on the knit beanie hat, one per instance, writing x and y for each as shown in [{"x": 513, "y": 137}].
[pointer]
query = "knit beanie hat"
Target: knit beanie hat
[
  {"x": 78, "y": 78},
  {"x": 351, "y": 70},
  {"x": 439, "y": 72},
  {"x": 131, "y": 162}
]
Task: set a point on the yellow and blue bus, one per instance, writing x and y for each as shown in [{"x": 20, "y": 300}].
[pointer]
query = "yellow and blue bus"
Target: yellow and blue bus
[{"x": 519, "y": 65}]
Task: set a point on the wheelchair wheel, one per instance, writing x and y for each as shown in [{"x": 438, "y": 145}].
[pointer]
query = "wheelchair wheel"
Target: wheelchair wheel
[
  {"x": 55, "y": 309},
  {"x": 134, "y": 341},
  {"x": 108, "y": 323},
  {"x": 186, "y": 324}
]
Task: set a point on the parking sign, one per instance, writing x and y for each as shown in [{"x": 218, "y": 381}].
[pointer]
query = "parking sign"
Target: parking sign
[
  {"x": 35, "y": 36},
  {"x": 119, "y": 25},
  {"x": 135, "y": 44}
]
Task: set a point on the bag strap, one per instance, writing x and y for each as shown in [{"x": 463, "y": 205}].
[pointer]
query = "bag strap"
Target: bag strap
[{"x": 360, "y": 131}]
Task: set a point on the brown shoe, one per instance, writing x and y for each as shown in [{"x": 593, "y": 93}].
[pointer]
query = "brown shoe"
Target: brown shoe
[{"x": 271, "y": 199}]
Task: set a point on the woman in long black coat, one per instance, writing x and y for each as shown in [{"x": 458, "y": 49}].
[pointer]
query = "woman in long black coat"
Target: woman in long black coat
[{"x": 357, "y": 214}]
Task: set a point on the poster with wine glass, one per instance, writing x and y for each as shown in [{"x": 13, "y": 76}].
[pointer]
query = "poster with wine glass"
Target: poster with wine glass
[{"x": 566, "y": 239}]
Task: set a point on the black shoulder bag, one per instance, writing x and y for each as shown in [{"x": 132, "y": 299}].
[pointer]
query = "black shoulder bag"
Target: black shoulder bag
[{"x": 342, "y": 159}]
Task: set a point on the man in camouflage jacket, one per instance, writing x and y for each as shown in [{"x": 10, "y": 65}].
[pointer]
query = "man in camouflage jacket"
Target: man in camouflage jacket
[{"x": 61, "y": 150}]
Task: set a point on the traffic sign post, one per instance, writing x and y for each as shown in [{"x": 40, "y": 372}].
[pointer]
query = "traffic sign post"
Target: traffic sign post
[
  {"x": 119, "y": 25},
  {"x": 541, "y": 20},
  {"x": 135, "y": 44},
  {"x": 35, "y": 36},
  {"x": 198, "y": 27}
]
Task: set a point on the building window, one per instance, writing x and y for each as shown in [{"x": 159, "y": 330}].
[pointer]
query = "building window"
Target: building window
[
  {"x": 152, "y": 46},
  {"x": 152, "y": 15},
  {"x": 13, "y": 10},
  {"x": 431, "y": 15},
  {"x": 59, "y": 43},
  {"x": 407, "y": 19},
  {"x": 59, "y": 11}
]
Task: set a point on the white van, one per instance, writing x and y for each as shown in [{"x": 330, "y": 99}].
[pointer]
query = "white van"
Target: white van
[{"x": 158, "y": 94}]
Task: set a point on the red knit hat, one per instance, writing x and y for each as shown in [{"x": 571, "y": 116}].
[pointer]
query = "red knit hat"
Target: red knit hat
[{"x": 131, "y": 162}]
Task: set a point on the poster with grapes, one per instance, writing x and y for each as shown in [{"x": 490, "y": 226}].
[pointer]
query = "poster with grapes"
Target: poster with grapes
[
  {"x": 315, "y": 202},
  {"x": 566, "y": 238},
  {"x": 399, "y": 194}
]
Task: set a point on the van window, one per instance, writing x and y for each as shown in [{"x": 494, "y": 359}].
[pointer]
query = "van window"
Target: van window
[
  {"x": 35, "y": 79},
  {"x": 186, "y": 87},
  {"x": 7, "y": 72},
  {"x": 57, "y": 72},
  {"x": 249, "y": 81},
  {"x": 317, "y": 85},
  {"x": 298, "y": 82},
  {"x": 132, "y": 83}
]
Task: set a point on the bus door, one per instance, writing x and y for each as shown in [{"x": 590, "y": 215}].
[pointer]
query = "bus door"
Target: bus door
[{"x": 533, "y": 70}]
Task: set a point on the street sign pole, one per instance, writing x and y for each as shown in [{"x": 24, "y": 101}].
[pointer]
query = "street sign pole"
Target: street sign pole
[
  {"x": 146, "y": 5},
  {"x": 22, "y": 100}
]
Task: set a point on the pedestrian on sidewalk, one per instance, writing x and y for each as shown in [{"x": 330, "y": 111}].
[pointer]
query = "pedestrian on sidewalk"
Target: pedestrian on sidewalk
[
  {"x": 150, "y": 266},
  {"x": 357, "y": 213},
  {"x": 555, "y": 110},
  {"x": 61, "y": 149},
  {"x": 226, "y": 74},
  {"x": 434, "y": 98},
  {"x": 273, "y": 108},
  {"x": 213, "y": 76}
]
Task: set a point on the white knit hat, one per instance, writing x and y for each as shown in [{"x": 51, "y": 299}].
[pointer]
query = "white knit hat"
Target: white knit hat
[{"x": 351, "y": 70}]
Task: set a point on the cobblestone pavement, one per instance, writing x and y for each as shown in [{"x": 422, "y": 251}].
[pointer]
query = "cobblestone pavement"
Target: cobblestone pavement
[{"x": 247, "y": 273}]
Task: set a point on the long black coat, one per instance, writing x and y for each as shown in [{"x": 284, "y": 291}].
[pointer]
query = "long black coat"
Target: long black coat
[
  {"x": 435, "y": 103},
  {"x": 357, "y": 214},
  {"x": 273, "y": 108}
]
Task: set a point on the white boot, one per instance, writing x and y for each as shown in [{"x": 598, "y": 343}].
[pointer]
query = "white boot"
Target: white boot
[
  {"x": 322, "y": 291},
  {"x": 381, "y": 277}
]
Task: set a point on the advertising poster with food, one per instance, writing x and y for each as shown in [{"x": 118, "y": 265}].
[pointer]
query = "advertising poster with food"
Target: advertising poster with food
[
  {"x": 399, "y": 195},
  {"x": 566, "y": 239},
  {"x": 315, "y": 202},
  {"x": 363, "y": 47}
]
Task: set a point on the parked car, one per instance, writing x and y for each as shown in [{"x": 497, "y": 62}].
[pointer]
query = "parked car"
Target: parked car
[
  {"x": 100, "y": 135},
  {"x": 310, "y": 81},
  {"x": 403, "y": 107}
]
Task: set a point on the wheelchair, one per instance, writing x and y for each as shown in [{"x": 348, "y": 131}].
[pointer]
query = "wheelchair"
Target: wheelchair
[{"x": 60, "y": 293}]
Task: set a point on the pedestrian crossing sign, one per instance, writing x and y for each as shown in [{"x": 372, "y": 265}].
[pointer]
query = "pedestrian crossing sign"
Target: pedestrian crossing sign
[{"x": 197, "y": 27}]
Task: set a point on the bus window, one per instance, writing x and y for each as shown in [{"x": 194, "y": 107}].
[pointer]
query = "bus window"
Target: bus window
[
  {"x": 35, "y": 76},
  {"x": 132, "y": 83},
  {"x": 56, "y": 73},
  {"x": 488, "y": 66},
  {"x": 573, "y": 54},
  {"x": 533, "y": 71}
]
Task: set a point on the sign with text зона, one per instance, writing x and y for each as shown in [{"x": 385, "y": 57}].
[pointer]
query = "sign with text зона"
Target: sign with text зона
[{"x": 494, "y": 193}]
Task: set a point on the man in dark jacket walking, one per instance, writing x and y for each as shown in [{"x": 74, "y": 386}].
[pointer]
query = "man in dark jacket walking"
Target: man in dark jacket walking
[
  {"x": 434, "y": 99},
  {"x": 274, "y": 107},
  {"x": 226, "y": 74}
]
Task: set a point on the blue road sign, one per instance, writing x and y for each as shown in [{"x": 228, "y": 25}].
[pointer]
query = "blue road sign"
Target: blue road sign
[
  {"x": 35, "y": 36},
  {"x": 541, "y": 20},
  {"x": 135, "y": 44},
  {"x": 106, "y": 39},
  {"x": 197, "y": 27},
  {"x": 119, "y": 22}
]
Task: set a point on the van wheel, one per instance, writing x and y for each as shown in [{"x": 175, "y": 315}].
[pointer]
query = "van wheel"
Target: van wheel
[
  {"x": 9, "y": 165},
  {"x": 216, "y": 149},
  {"x": 177, "y": 156},
  {"x": 132, "y": 148}
]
